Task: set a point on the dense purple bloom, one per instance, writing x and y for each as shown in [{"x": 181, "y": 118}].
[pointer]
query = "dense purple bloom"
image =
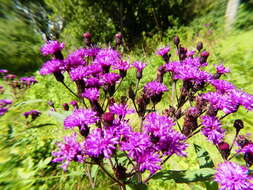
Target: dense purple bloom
[
  {"x": 163, "y": 51},
  {"x": 139, "y": 65},
  {"x": 51, "y": 47},
  {"x": 190, "y": 53},
  {"x": 107, "y": 57},
  {"x": 121, "y": 65},
  {"x": 157, "y": 125},
  {"x": 101, "y": 143},
  {"x": 3, "y": 71},
  {"x": 91, "y": 52},
  {"x": 51, "y": 66},
  {"x": 221, "y": 69},
  {"x": 231, "y": 176},
  {"x": 80, "y": 118},
  {"x": 109, "y": 78},
  {"x": 91, "y": 93},
  {"x": 172, "y": 143},
  {"x": 92, "y": 82},
  {"x": 222, "y": 86},
  {"x": 212, "y": 129},
  {"x": 154, "y": 88},
  {"x": 149, "y": 161},
  {"x": 120, "y": 109},
  {"x": 136, "y": 144},
  {"x": 75, "y": 59},
  {"x": 81, "y": 71},
  {"x": 3, "y": 111},
  {"x": 69, "y": 150}
]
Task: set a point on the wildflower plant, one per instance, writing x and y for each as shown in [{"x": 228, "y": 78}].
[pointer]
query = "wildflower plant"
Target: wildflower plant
[{"x": 103, "y": 134}]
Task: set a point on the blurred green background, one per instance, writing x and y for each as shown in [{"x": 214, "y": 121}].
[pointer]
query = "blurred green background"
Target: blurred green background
[{"x": 146, "y": 25}]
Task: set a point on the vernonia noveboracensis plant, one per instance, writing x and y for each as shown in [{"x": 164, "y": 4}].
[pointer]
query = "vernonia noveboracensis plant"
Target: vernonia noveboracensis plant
[{"x": 134, "y": 155}]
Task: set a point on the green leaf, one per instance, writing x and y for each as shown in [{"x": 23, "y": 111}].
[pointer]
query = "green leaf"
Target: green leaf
[
  {"x": 94, "y": 171},
  {"x": 205, "y": 161},
  {"x": 203, "y": 157},
  {"x": 137, "y": 186},
  {"x": 186, "y": 176},
  {"x": 29, "y": 102},
  {"x": 59, "y": 116}
]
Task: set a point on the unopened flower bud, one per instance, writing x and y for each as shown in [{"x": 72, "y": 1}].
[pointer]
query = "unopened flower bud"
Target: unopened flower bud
[
  {"x": 84, "y": 130},
  {"x": 199, "y": 46},
  {"x": 120, "y": 172},
  {"x": 74, "y": 104},
  {"x": 108, "y": 118},
  {"x": 203, "y": 57},
  {"x": 87, "y": 38},
  {"x": 65, "y": 106},
  {"x": 118, "y": 39},
  {"x": 131, "y": 93},
  {"x": 139, "y": 75},
  {"x": 224, "y": 149},
  {"x": 176, "y": 40},
  {"x": 238, "y": 124},
  {"x": 248, "y": 157}
]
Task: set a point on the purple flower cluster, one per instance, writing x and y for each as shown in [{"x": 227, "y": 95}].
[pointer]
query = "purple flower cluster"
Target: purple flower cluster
[
  {"x": 33, "y": 113},
  {"x": 212, "y": 129},
  {"x": 163, "y": 51},
  {"x": 231, "y": 176},
  {"x": 154, "y": 88},
  {"x": 51, "y": 66},
  {"x": 51, "y": 47},
  {"x": 4, "y": 105}
]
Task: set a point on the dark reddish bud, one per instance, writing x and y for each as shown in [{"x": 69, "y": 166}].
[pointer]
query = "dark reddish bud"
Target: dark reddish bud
[
  {"x": 120, "y": 172},
  {"x": 118, "y": 39},
  {"x": 154, "y": 139},
  {"x": 80, "y": 84},
  {"x": 123, "y": 99},
  {"x": 87, "y": 39},
  {"x": 111, "y": 101},
  {"x": 65, "y": 106},
  {"x": 160, "y": 73},
  {"x": 108, "y": 118},
  {"x": 84, "y": 130},
  {"x": 170, "y": 112},
  {"x": 203, "y": 57},
  {"x": 199, "y": 46},
  {"x": 182, "y": 53},
  {"x": 156, "y": 98},
  {"x": 224, "y": 149},
  {"x": 238, "y": 124},
  {"x": 176, "y": 40},
  {"x": 131, "y": 93}
]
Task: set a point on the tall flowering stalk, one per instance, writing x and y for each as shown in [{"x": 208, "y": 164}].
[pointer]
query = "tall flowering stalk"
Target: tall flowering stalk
[{"x": 106, "y": 133}]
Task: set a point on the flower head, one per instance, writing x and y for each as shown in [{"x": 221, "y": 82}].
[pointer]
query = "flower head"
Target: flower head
[
  {"x": 28, "y": 80},
  {"x": 51, "y": 66},
  {"x": 3, "y": 71},
  {"x": 69, "y": 150},
  {"x": 51, "y": 47},
  {"x": 149, "y": 161},
  {"x": 163, "y": 51},
  {"x": 33, "y": 113},
  {"x": 109, "y": 78},
  {"x": 3, "y": 111},
  {"x": 212, "y": 129},
  {"x": 231, "y": 176},
  {"x": 91, "y": 93},
  {"x": 101, "y": 143},
  {"x": 139, "y": 65},
  {"x": 107, "y": 57},
  {"x": 154, "y": 88},
  {"x": 80, "y": 118},
  {"x": 120, "y": 109},
  {"x": 5, "y": 102},
  {"x": 221, "y": 69}
]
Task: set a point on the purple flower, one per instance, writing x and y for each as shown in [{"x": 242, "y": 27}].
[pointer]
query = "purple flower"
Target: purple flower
[
  {"x": 3, "y": 71},
  {"x": 3, "y": 111},
  {"x": 163, "y": 51},
  {"x": 109, "y": 78},
  {"x": 222, "y": 86},
  {"x": 92, "y": 82},
  {"x": 28, "y": 80},
  {"x": 51, "y": 66},
  {"x": 149, "y": 161},
  {"x": 101, "y": 143},
  {"x": 81, "y": 71},
  {"x": 91, "y": 93},
  {"x": 154, "y": 88},
  {"x": 5, "y": 102},
  {"x": 10, "y": 77},
  {"x": 157, "y": 125},
  {"x": 120, "y": 109},
  {"x": 139, "y": 65},
  {"x": 190, "y": 53},
  {"x": 33, "y": 113},
  {"x": 121, "y": 65},
  {"x": 91, "y": 52},
  {"x": 75, "y": 59},
  {"x": 80, "y": 118},
  {"x": 136, "y": 144},
  {"x": 107, "y": 57},
  {"x": 51, "y": 47},
  {"x": 69, "y": 150},
  {"x": 172, "y": 143},
  {"x": 248, "y": 148},
  {"x": 220, "y": 69},
  {"x": 231, "y": 176},
  {"x": 212, "y": 129}
]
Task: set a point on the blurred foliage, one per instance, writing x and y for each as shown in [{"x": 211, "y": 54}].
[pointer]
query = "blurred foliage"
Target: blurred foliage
[{"x": 244, "y": 18}]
